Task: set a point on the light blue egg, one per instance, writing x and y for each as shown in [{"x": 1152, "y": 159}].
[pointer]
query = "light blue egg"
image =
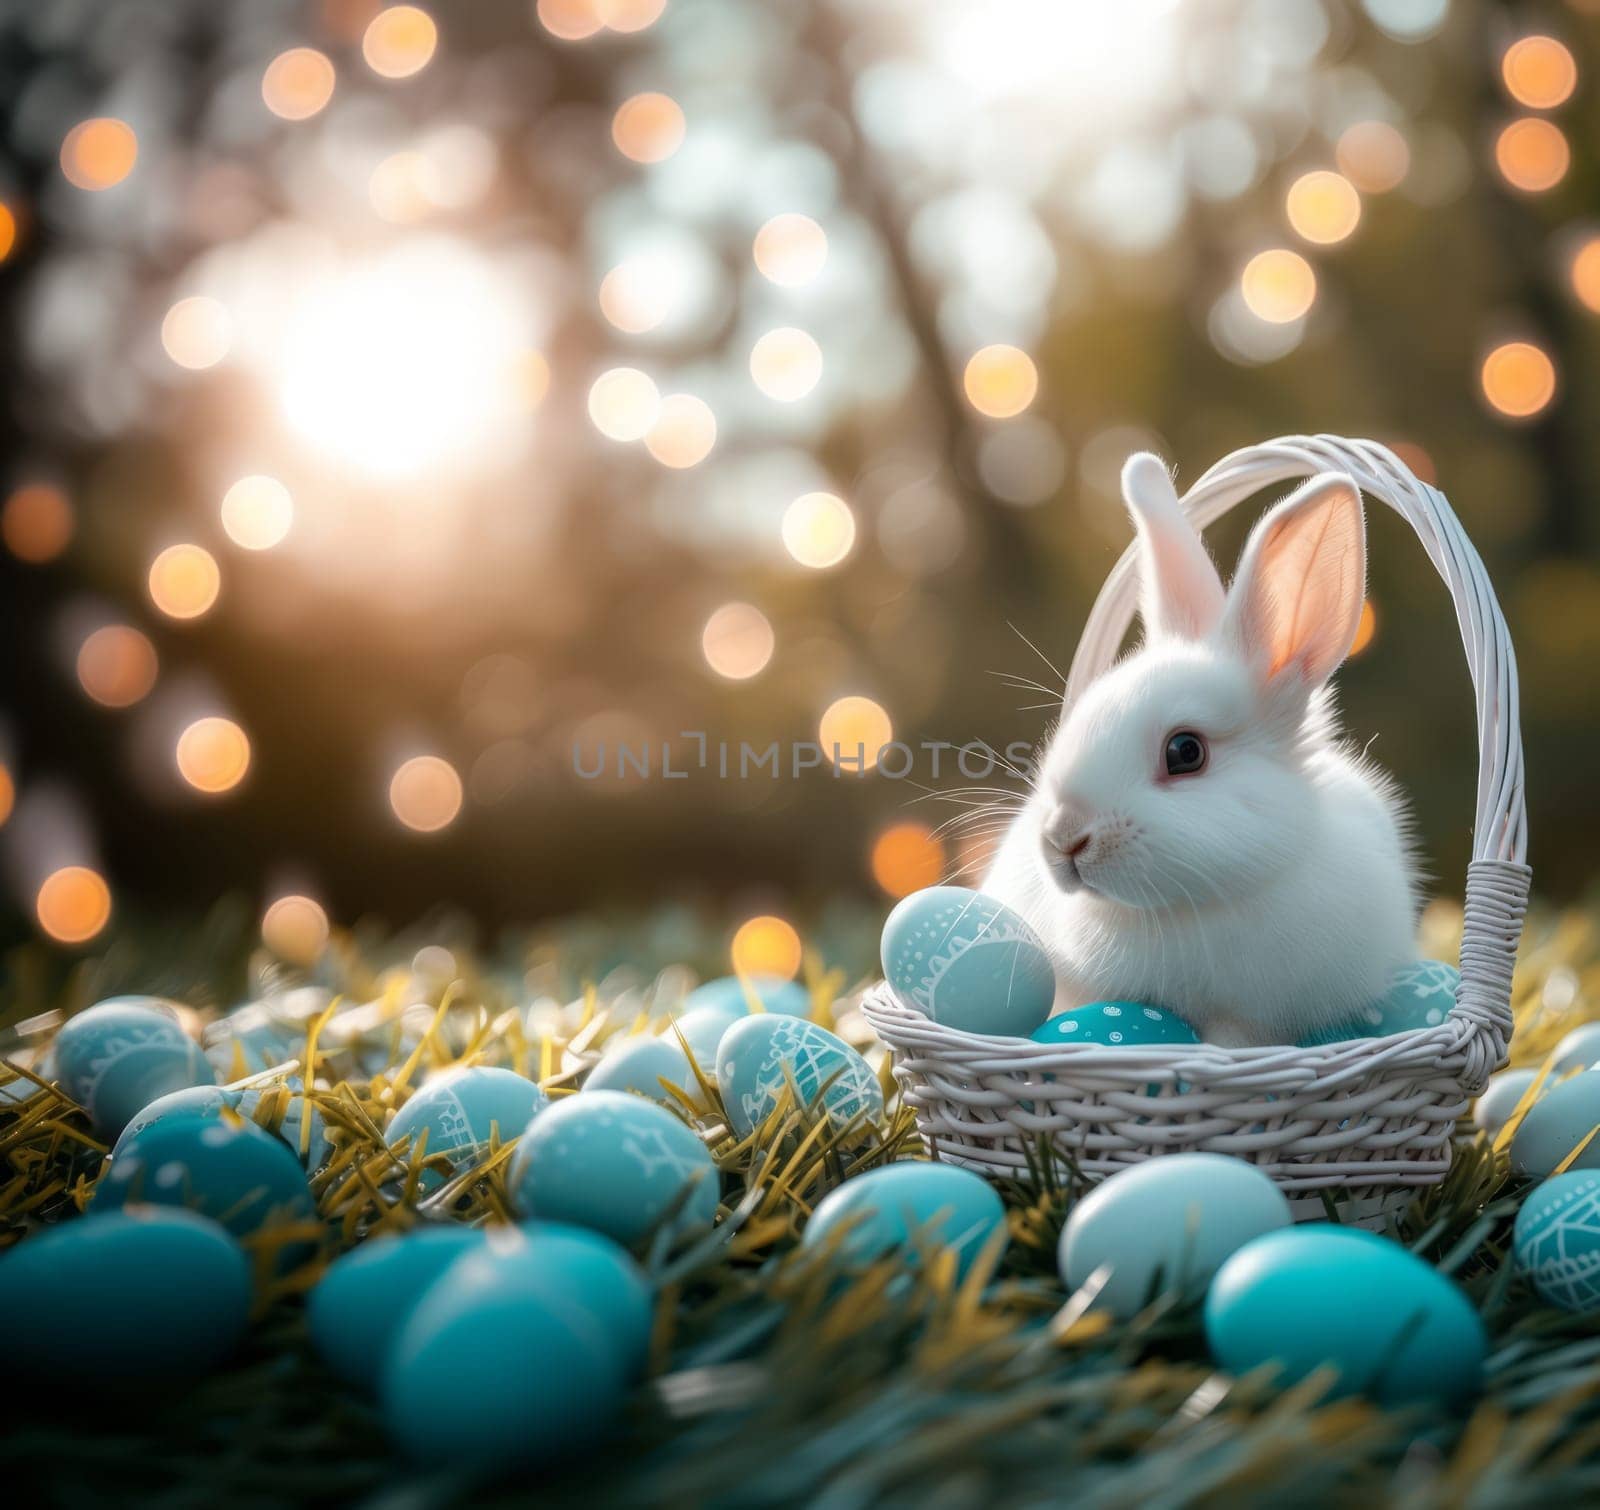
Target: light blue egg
[
  {"x": 1392, "y": 1326},
  {"x": 460, "y": 1110},
  {"x": 1166, "y": 1226},
  {"x": 1493, "y": 1109},
  {"x": 260, "y": 1106},
  {"x": 283, "y": 1115},
  {"x": 117, "y": 1057},
  {"x": 1556, "y": 1124},
  {"x": 486, "y": 1376},
  {"x": 729, "y": 994},
  {"x": 1419, "y": 996},
  {"x": 616, "y": 1163},
  {"x": 240, "y": 1176},
  {"x": 1578, "y": 1050},
  {"x": 968, "y": 961},
  {"x": 1556, "y": 1241},
  {"x": 133, "y": 1297},
  {"x": 639, "y": 1064},
  {"x": 882, "y": 1210},
  {"x": 249, "y": 1040},
  {"x": 1124, "y": 1024},
  {"x": 702, "y": 1031},
  {"x": 359, "y": 1306},
  {"x": 759, "y": 1057},
  {"x": 194, "y": 1100}
]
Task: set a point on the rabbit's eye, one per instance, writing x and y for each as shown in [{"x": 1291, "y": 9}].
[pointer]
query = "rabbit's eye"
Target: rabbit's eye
[{"x": 1186, "y": 753}]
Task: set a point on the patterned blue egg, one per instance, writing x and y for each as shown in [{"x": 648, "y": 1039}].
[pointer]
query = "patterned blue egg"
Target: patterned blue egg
[
  {"x": 616, "y": 1163},
  {"x": 1128, "y": 1024},
  {"x": 639, "y": 1064},
  {"x": 1579, "y": 1050},
  {"x": 1556, "y": 1124},
  {"x": 118, "y": 1057},
  {"x": 461, "y": 1111},
  {"x": 906, "y": 1207},
  {"x": 759, "y": 1056},
  {"x": 240, "y": 1176},
  {"x": 1501, "y": 1096},
  {"x": 1419, "y": 996},
  {"x": 367, "y": 1295},
  {"x": 131, "y": 1297},
  {"x": 730, "y": 994},
  {"x": 968, "y": 961},
  {"x": 268, "y": 1107},
  {"x": 1390, "y": 1325},
  {"x": 1556, "y": 1241}
]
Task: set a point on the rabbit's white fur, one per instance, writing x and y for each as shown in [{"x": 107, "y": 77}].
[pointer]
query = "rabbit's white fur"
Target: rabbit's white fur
[{"x": 1272, "y": 893}]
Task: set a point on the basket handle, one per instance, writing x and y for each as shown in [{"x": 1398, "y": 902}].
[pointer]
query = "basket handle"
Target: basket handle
[{"x": 1497, "y": 877}]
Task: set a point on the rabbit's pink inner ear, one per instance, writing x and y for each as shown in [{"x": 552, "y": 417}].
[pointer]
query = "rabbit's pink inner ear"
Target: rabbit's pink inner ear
[
  {"x": 1180, "y": 591},
  {"x": 1302, "y": 582}
]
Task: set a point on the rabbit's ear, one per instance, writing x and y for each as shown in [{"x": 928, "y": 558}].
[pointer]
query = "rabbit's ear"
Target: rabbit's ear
[
  {"x": 1295, "y": 605},
  {"x": 1180, "y": 591}
]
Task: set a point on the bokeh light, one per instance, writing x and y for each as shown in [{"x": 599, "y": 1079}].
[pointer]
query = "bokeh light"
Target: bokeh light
[
  {"x": 1374, "y": 156},
  {"x": 737, "y": 641},
  {"x": 570, "y": 20},
  {"x": 852, "y": 731},
  {"x": 399, "y": 41},
  {"x": 1539, "y": 72},
  {"x": 766, "y": 945},
  {"x": 1586, "y": 274},
  {"x": 1323, "y": 207},
  {"x": 530, "y": 378},
  {"x": 117, "y": 665},
  {"x": 196, "y": 332},
  {"x": 790, "y": 250},
  {"x": 73, "y": 904},
  {"x": 295, "y": 928},
  {"x": 425, "y": 793},
  {"x": 1278, "y": 286},
  {"x": 1532, "y": 154},
  {"x": 297, "y": 83},
  {"x": 98, "y": 154},
  {"x": 8, "y": 794},
  {"x": 624, "y": 404},
  {"x": 1000, "y": 381},
  {"x": 648, "y": 128},
  {"x": 1366, "y": 628},
  {"x": 786, "y": 364},
  {"x": 1518, "y": 378},
  {"x": 184, "y": 581},
  {"x": 629, "y": 15},
  {"x": 819, "y": 529},
  {"x": 906, "y": 857},
  {"x": 213, "y": 754},
  {"x": 257, "y": 512},
  {"x": 8, "y": 230},
  {"x": 36, "y": 522},
  {"x": 684, "y": 432}
]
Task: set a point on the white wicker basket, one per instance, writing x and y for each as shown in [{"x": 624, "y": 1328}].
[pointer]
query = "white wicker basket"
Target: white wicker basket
[{"x": 1366, "y": 1120}]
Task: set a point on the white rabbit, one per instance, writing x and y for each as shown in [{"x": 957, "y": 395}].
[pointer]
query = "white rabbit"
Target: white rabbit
[{"x": 1196, "y": 838}]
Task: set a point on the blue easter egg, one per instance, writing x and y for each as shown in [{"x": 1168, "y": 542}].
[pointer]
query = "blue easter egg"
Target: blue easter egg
[
  {"x": 1578, "y": 1050},
  {"x": 759, "y": 1056},
  {"x": 240, "y": 1176},
  {"x": 1556, "y": 1124},
  {"x": 1392, "y": 1326},
  {"x": 701, "y": 1031},
  {"x": 1166, "y": 1226},
  {"x": 248, "y": 1040},
  {"x": 489, "y": 1376},
  {"x": 278, "y": 1114},
  {"x": 1556, "y": 1240},
  {"x": 1501, "y": 1096},
  {"x": 730, "y": 994},
  {"x": 615, "y": 1163},
  {"x": 116, "y": 1058},
  {"x": 904, "y": 1206},
  {"x": 968, "y": 961},
  {"x": 365, "y": 1298},
  {"x": 1125, "y": 1024},
  {"x": 640, "y": 1064},
  {"x": 1419, "y": 996},
  {"x": 126, "y": 1298},
  {"x": 460, "y": 1110}
]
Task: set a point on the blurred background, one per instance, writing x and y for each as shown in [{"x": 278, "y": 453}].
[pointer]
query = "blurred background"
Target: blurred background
[{"x": 409, "y": 408}]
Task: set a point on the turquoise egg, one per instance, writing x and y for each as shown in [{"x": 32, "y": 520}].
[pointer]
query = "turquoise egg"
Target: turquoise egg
[
  {"x": 1579, "y": 1050},
  {"x": 1556, "y": 1124},
  {"x": 759, "y": 1056},
  {"x": 702, "y": 1031},
  {"x": 615, "y": 1163},
  {"x": 365, "y": 1298},
  {"x": 1393, "y": 1327},
  {"x": 460, "y": 1110},
  {"x": 488, "y": 1376},
  {"x": 968, "y": 961},
  {"x": 1419, "y": 996},
  {"x": 1129, "y": 1024},
  {"x": 209, "y": 1101},
  {"x": 1556, "y": 1241},
  {"x": 260, "y": 1040},
  {"x": 116, "y": 1058},
  {"x": 640, "y": 1064},
  {"x": 729, "y": 994},
  {"x": 129, "y": 1298},
  {"x": 901, "y": 1206},
  {"x": 1166, "y": 1226},
  {"x": 1493, "y": 1109},
  {"x": 240, "y": 1176}
]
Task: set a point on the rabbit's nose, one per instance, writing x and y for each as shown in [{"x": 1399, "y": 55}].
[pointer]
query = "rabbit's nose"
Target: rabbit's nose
[{"x": 1070, "y": 831}]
